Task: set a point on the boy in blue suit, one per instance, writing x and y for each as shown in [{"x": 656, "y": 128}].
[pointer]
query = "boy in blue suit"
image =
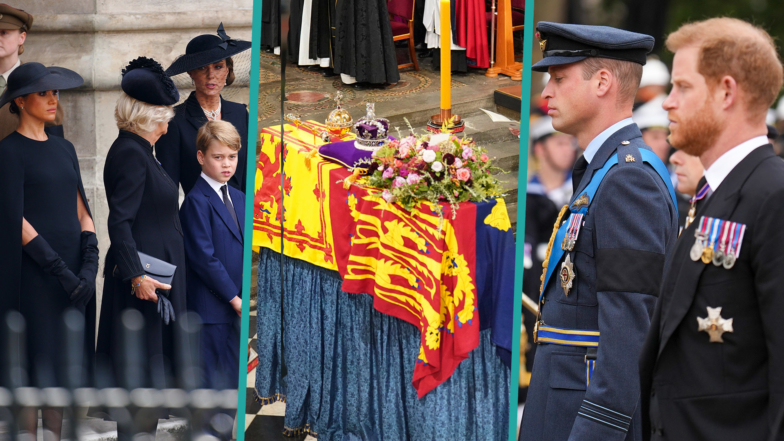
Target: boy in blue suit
[{"x": 212, "y": 223}]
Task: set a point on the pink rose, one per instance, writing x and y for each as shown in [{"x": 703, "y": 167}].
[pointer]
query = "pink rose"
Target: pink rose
[
  {"x": 458, "y": 163},
  {"x": 387, "y": 195},
  {"x": 388, "y": 173},
  {"x": 403, "y": 172},
  {"x": 467, "y": 152},
  {"x": 473, "y": 157},
  {"x": 413, "y": 179},
  {"x": 484, "y": 157},
  {"x": 463, "y": 174},
  {"x": 398, "y": 182},
  {"x": 398, "y": 163},
  {"x": 404, "y": 151},
  {"x": 408, "y": 141}
]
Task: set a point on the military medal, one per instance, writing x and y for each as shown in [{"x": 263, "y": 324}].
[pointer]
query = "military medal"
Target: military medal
[
  {"x": 701, "y": 237},
  {"x": 733, "y": 252},
  {"x": 693, "y": 201},
  {"x": 567, "y": 274},
  {"x": 572, "y": 231},
  {"x": 708, "y": 251},
  {"x": 718, "y": 258},
  {"x": 714, "y": 324}
]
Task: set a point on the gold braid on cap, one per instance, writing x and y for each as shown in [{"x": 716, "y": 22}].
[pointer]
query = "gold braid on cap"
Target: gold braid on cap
[{"x": 550, "y": 246}]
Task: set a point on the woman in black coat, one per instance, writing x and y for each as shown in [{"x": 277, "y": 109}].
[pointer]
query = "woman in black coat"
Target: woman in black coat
[
  {"x": 208, "y": 61},
  {"x": 48, "y": 247},
  {"x": 143, "y": 217}
]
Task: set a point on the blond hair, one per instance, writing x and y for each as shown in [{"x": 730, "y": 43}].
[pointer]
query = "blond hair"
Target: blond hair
[
  {"x": 735, "y": 48},
  {"x": 221, "y": 131},
  {"x": 139, "y": 117},
  {"x": 628, "y": 74}
]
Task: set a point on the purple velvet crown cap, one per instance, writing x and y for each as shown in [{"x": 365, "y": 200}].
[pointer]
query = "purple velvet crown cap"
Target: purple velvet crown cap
[{"x": 372, "y": 129}]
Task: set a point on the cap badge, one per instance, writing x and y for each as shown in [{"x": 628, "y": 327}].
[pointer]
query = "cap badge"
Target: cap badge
[
  {"x": 630, "y": 158},
  {"x": 542, "y": 43},
  {"x": 715, "y": 325}
]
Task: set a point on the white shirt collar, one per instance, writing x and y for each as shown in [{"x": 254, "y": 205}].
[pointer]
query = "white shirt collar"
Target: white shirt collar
[
  {"x": 215, "y": 185},
  {"x": 719, "y": 170},
  {"x": 8, "y": 73},
  {"x": 597, "y": 142}
]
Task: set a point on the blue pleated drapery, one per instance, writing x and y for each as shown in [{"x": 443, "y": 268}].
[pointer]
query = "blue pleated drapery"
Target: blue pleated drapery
[{"x": 349, "y": 367}]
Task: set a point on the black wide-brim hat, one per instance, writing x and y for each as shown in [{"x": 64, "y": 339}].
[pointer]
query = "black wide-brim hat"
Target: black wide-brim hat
[
  {"x": 569, "y": 43},
  {"x": 205, "y": 50},
  {"x": 35, "y": 77}
]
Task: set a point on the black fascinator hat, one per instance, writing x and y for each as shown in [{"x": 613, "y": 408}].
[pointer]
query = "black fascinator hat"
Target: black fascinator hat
[
  {"x": 35, "y": 77},
  {"x": 207, "y": 49},
  {"x": 144, "y": 80}
]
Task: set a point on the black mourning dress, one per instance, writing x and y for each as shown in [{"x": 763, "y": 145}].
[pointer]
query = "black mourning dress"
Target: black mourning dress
[
  {"x": 40, "y": 182},
  {"x": 143, "y": 216},
  {"x": 363, "y": 47}
]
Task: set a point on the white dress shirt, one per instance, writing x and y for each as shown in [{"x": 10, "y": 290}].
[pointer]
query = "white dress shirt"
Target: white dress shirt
[
  {"x": 597, "y": 142},
  {"x": 719, "y": 170},
  {"x": 216, "y": 186}
]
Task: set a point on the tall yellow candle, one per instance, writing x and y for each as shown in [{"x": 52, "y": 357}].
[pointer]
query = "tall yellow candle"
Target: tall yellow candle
[{"x": 446, "y": 55}]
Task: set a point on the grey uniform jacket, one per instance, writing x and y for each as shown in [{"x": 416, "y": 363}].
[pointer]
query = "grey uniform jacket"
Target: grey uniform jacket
[{"x": 630, "y": 230}]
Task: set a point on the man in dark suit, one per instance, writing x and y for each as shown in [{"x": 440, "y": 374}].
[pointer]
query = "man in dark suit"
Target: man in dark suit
[
  {"x": 606, "y": 258},
  {"x": 212, "y": 223},
  {"x": 712, "y": 366}
]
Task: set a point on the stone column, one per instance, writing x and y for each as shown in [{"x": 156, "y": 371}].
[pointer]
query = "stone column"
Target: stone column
[{"x": 97, "y": 38}]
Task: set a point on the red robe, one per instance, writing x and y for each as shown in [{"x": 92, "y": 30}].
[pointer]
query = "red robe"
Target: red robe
[{"x": 471, "y": 22}]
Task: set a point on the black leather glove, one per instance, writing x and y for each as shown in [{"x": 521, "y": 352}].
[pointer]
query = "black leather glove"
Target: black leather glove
[
  {"x": 86, "y": 289},
  {"x": 42, "y": 253},
  {"x": 165, "y": 309}
]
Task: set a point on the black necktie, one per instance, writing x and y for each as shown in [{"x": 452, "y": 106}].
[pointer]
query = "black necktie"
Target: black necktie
[
  {"x": 229, "y": 205},
  {"x": 577, "y": 173}
]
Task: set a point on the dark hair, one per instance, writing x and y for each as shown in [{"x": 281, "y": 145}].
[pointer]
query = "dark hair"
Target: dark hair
[
  {"x": 13, "y": 108},
  {"x": 230, "y": 76}
]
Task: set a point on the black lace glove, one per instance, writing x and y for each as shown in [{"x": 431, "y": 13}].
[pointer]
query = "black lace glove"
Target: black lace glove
[
  {"x": 165, "y": 309},
  {"x": 42, "y": 253},
  {"x": 86, "y": 289}
]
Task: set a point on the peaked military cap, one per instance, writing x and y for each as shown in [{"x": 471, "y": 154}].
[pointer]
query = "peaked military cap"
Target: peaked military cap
[
  {"x": 13, "y": 19},
  {"x": 569, "y": 43}
]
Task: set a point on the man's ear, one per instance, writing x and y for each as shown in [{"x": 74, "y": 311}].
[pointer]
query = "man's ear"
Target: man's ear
[
  {"x": 726, "y": 92},
  {"x": 604, "y": 80}
]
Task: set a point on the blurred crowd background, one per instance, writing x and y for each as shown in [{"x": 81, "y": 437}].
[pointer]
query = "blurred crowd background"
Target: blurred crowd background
[{"x": 552, "y": 154}]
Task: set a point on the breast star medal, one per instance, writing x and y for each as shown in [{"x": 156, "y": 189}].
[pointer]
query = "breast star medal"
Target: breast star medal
[
  {"x": 715, "y": 325},
  {"x": 567, "y": 274}
]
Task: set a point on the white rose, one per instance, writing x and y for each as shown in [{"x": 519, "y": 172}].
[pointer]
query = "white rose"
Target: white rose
[
  {"x": 428, "y": 156},
  {"x": 436, "y": 166}
]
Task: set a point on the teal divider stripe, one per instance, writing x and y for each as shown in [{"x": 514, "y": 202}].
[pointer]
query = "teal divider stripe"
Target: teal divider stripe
[
  {"x": 250, "y": 187},
  {"x": 522, "y": 187}
]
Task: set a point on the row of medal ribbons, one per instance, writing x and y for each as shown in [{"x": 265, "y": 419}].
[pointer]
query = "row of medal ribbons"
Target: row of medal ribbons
[{"x": 717, "y": 241}]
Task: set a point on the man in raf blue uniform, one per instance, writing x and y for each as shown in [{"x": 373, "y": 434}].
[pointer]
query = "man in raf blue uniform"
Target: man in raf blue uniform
[
  {"x": 712, "y": 366},
  {"x": 608, "y": 248}
]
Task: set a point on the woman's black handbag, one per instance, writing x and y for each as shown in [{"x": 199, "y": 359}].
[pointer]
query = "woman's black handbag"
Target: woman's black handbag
[{"x": 157, "y": 269}]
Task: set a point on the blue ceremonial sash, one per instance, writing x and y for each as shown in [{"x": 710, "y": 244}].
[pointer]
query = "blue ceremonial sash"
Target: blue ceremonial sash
[{"x": 648, "y": 157}]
